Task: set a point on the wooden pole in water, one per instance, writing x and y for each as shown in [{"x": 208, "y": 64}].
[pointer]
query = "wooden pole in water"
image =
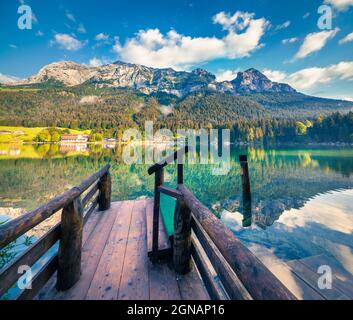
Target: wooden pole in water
[
  {"x": 158, "y": 181},
  {"x": 105, "y": 192},
  {"x": 69, "y": 257},
  {"x": 182, "y": 238},
  {"x": 245, "y": 181},
  {"x": 180, "y": 173}
]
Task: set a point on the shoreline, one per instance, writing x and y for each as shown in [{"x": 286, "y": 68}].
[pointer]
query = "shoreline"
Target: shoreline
[{"x": 151, "y": 143}]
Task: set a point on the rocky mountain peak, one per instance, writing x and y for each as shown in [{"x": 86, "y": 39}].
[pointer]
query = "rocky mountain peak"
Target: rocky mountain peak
[
  {"x": 152, "y": 80},
  {"x": 252, "y": 80}
]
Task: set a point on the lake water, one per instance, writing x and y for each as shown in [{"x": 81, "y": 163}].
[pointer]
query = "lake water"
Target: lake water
[{"x": 302, "y": 198}]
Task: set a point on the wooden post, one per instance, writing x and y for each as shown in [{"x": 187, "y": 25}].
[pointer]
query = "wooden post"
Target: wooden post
[
  {"x": 245, "y": 181},
  {"x": 182, "y": 238},
  {"x": 69, "y": 256},
  {"x": 245, "y": 178},
  {"x": 158, "y": 181},
  {"x": 247, "y": 214},
  {"x": 180, "y": 173},
  {"x": 105, "y": 192},
  {"x": 180, "y": 165}
]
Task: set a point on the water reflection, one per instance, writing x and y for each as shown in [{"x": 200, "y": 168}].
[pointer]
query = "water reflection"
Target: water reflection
[
  {"x": 285, "y": 182},
  {"x": 323, "y": 225}
]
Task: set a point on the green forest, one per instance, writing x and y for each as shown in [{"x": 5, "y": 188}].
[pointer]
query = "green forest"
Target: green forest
[{"x": 108, "y": 111}]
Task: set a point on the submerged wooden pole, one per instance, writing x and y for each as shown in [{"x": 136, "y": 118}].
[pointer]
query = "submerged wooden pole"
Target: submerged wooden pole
[
  {"x": 245, "y": 181},
  {"x": 180, "y": 170},
  {"x": 182, "y": 238},
  {"x": 69, "y": 256},
  {"x": 105, "y": 192},
  {"x": 158, "y": 181}
]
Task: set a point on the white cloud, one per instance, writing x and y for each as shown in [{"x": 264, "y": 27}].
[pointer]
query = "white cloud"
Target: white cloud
[
  {"x": 347, "y": 38},
  {"x": 237, "y": 21},
  {"x": 39, "y": 33},
  {"x": 81, "y": 28},
  {"x": 290, "y": 40},
  {"x": 284, "y": 25},
  {"x": 152, "y": 48},
  {"x": 12, "y": 46},
  {"x": 338, "y": 97},
  {"x": 68, "y": 42},
  {"x": 310, "y": 78},
  {"x": 315, "y": 42},
  {"x": 101, "y": 37},
  {"x": 306, "y": 15},
  {"x": 226, "y": 75},
  {"x": 340, "y": 5},
  {"x": 274, "y": 75},
  {"x": 95, "y": 62},
  {"x": 8, "y": 79},
  {"x": 70, "y": 16}
]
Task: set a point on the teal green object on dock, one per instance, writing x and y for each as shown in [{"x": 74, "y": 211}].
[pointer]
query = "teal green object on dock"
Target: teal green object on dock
[{"x": 168, "y": 207}]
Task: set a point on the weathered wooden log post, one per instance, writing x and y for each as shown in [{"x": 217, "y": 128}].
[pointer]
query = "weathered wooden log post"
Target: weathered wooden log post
[
  {"x": 69, "y": 256},
  {"x": 158, "y": 181},
  {"x": 182, "y": 238},
  {"x": 105, "y": 192}
]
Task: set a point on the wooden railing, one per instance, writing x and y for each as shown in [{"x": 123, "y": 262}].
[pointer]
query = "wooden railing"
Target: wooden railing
[
  {"x": 200, "y": 235},
  {"x": 94, "y": 191}
]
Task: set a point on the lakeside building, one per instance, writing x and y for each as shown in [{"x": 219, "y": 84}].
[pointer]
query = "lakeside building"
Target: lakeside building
[{"x": 74, "y": 138}]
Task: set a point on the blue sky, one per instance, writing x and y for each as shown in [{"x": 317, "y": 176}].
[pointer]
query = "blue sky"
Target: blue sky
[{"x": 279, "y": 38}]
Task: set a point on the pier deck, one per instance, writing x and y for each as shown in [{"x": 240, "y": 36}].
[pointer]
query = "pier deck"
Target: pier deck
[{"x": 115, "y": 265}]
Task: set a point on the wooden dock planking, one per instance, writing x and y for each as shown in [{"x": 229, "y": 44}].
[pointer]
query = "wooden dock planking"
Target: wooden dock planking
[
  {"x": 162, "y": 282},
  {"x": 90, "y": 225},
  {"x": 134, "y": 279},
  {"x": 115, "y": 264},
  {"x": 191, "y": 287},
  {"x": 106, "y": 281}
]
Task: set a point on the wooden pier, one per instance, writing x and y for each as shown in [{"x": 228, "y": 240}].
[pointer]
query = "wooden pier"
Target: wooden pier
[
  {"x": 120, "y": 250},
  {"x": 115, "y": 264}
]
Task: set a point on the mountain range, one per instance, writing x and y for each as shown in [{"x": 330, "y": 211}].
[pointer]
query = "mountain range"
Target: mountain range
[
  {"x": 195, "y": 95},
  {"x": 153, "y": 80}
]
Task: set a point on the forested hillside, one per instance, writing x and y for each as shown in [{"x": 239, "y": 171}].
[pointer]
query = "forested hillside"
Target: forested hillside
[
  {"x": 298, "y": 105},
  {"x": 256, "y": 117}
]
